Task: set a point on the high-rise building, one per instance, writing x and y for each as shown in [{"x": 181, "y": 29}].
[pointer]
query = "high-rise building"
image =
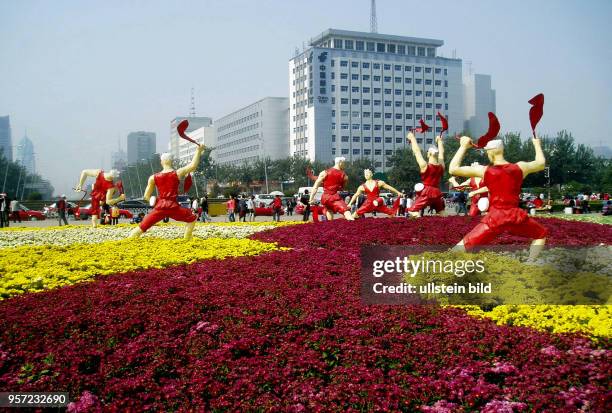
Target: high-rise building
[
  {"x": 357, "y": 94},
  {"x": 178, "y": 145},
  {"x": 118, "y": 159},
  {"x": 140, "y": 145},
  {"x": 6, "y": 142},
  {"x": 479, "y": 100},
  {"x": 25, "y": 154},
  {"x": 257, "y": 131}
]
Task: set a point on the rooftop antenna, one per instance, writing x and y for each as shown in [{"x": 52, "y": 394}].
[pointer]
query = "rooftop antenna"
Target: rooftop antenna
[
  {"x": 373, "y": 23},
  {"x": 192, "y": 111}
]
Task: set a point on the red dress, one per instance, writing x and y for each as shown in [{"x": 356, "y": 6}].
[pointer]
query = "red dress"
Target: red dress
[
  {"x": 332, "y": 184},
  {"x": 504, "y": 183},
  {"x": 167, "y": 184},
  {"x": 100, "y": 187},
  {"x": 474, "y": 211},
  {"x": 371, "y": 196},
  {"x": 430, "y": 195}
]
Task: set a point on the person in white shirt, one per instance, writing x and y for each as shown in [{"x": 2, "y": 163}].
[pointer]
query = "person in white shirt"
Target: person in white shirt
[
  {"x": 15, "y": 211},
  {"x": 250, "y": 203}
]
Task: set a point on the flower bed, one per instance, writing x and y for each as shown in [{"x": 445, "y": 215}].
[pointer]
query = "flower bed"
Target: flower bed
[
  {"x": 286, "y": 331},
  {"x": 594, "y": 218},
  {"x": 31, "y": 269},
  {"x": 68, "y": 235}
]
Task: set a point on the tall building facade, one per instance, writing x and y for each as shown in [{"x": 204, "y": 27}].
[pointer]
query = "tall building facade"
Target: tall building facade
[
  {"x": 479, "y": 100},
  {"x": 118, "y": 159},
  {"x": 5, "y": 138},
  {"x": 140, "y": 145},
  {"x": 178, "y": 145},
  {"x": 25, "y": 154},
  {"x": 257, "y": 131},
  {"x": 357, "y": 94}
]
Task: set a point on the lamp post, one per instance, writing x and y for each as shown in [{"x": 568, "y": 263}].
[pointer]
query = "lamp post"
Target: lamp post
[{"x": 138, "y": 175}]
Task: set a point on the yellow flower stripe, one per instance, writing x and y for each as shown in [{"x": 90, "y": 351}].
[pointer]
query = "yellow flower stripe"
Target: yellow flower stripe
[
  {"x": 594, "y": 321},
  {"x": 30, "y": 269}
]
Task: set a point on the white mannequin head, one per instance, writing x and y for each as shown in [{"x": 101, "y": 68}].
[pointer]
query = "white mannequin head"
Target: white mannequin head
[
  {"x": 166, "y": 160},
  {"x": 339, "y": 162}
]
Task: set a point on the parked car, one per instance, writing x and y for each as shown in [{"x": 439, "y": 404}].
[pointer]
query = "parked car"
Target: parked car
[
  {"x": 85, "y": 213},
  {"x": 266, "y": 211},
  {"x": 135, "y": 206},
  {"x": 27, "y": 214},
  {"x": 51, "y": 210}
]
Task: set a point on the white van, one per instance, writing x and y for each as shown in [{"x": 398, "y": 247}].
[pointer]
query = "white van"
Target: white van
[{"x": 303, "y": 189}]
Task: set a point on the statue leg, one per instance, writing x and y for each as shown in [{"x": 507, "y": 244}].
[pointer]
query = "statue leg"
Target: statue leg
[
  {"x": 329, "y": 215},
  {"x": 348, "y": 216},
  {"x": 94, "y": 221},
  {"x": 189, "y": 230},
  {"x": 460, "y": 247},
  {"x": 537, "y": 245},
  {"x": 136, "y": 232}
]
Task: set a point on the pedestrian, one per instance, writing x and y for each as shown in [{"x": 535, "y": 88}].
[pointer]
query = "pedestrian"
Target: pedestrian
[
  {"x": 14, "y": 206},
  {"x": 115, "y": 214},
  {"x": 61, "y": 210},
  {"x": 3, "y": 209},
  {"x": 231, "y": 205},
  {"x": 250, "y": 203},
  {"x": 106, "y": 214},
  {"x": 204, "y": 207},
  {"x": 277, "y": 208},
  {"x": 461, "y": 203},
  {"x": 242, "y": 208},
  {"x": 195, "y": 206},
  {"x": 304, "y": 200},
  {"x": 289, "y": 207}
]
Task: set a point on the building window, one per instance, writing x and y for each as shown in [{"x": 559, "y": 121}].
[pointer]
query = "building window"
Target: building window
[
  {"x": 428, "y": 82},
  {"x": 365, "y": 77},
  {"x": 376, "y": 78},
  {"x": 366, "y": 115},
  {"x": 398, "y": 67},
  {"x": 344, "y": 76},
  {"x": 333, "y": 88},
  {"x": 388, "y": 139},
  {"x": 344, "y": 101},
  {"x": 376, "y": 90},
  {"x": 445, "y": 72},
  {"x": 355, "y": 138},
  {"x": 438, "y": 83},
  {"x": 388, "y": 103},
  {"x": 388, "y": 152},
  {"x": 366, "y": 126},
  {"x": 355, "y": 101},
  {"x": 428, "y": 94},
  {"x": 359, "y": 45},
  {"x": 333, "y": 151},
  {"x": 355, "y": 64},
  {"x": 428, "y": 70},
  {"x": 332, "y": 75},
  {"x": 333, "y": 112},
  {"x": 367, "y": 151},
  {"x": 377, "y": 127},
  {"x": 387, "y": 67},
  {"x": 428, "y": 105},
  {"x": 388, "y": 115},
  {"x": 398, "y": 92},
  {"x": 401, "y": 49},
  {"x": 333, "y": 138},
  {"x": 391, "y": 48},
  {"x": 343, "y": 63},
  {"x": 398, "y": 116},
  {"x": 345, "y": 139},
  {"x": 365, "y": 65},
  {"x": 345, "y": 151},
  {"x": 418, "y": 69},
  {"x": 376, "y": 102},
  {"x": 344, "y": 113},
  {"x": 348, "y": 44},
  {"x": 408, "y": 115},
  {"x": 355, "y": 114},
  {"x": 322, "y": 75},
  {"x": 355, "y": 89},
  {"x": 380, "y": 47},
  {"x": 377, "y": 115},
  {"x": 377, "y": 139},
  {"x": 431, "y": 52},
  {"x": 333, "y": 126},
  {"x": 370, "y": 46},
  {"x": 398, "y": 104},
  {"x": 366, "y": 90},
  {"x": 355, "y": 76},
  {"x": 333, "y": 100},
  {"x": 418, "y": 81},
  {"x": 387, "y": 78},
  {"x": 419, "y": 140},
  {"x": 365, "y": 101},
  {"x": 418, "y": 105},
  {"x": 421, "y": 51},
  {"x": 398, "y": 80},
  {"x": 355, "y": 151},
  {"x": 446, "y": 83},
  {"x": 387, "y": 91},
  {"x": 343, "y": 88},
  {"x": 398, "y": 128},
  {"x": 378, "y": 152},
  {"x": 337, "y": 44},
  {"x": 411, "y": 50},
  {"x": 376, "y": 66},
  {"x": 367, "y": 139},
  {"x": 388, "y": 127},
  {"x": 408, "y": 80},
  {"x": 438, "y": 71},
  {"x": 399, "y": 140},
  {"x": 322, "y": 91},
  {"x": 438, "y": 106},
  {"x": 446, "y": 106},
  {"x": 408, "y": 92},
  {"x": 419, "y": 116}
]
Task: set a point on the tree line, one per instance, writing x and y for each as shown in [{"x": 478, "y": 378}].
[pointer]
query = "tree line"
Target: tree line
[{"x": 16, "y": 181}]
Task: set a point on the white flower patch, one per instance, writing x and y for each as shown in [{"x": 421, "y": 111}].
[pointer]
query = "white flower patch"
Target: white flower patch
[{"x": 88, "y": 235}]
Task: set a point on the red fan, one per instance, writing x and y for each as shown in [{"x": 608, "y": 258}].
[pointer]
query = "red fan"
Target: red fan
[
  {"x": 444, "y": 123},
  {"x": 494, "y": 128},
  {"x": 187, "y": 184},
  {"x": 181, "y": 128},
  {"x": 310, "y": 174},
  {"x": 536, "y": 111},
  {"x": 424, "y": 127}
]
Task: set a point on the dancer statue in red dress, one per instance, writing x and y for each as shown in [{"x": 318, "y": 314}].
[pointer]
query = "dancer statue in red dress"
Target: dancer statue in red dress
[
  {"x": 503, "y": 180},
  {"x": 333, "y": 180},
  {"x": 167, "y": 183},
  {"x": 103, "y": 190},
  {"x": 478, "y": 190},
  {"x": 373, "y": 201},
  {"x": 431, "y": 173}
]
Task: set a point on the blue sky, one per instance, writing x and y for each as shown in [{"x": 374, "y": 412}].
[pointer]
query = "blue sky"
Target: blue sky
[{"x": 81, "y": 75}]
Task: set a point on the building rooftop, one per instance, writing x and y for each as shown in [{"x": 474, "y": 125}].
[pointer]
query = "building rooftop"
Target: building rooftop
[{"x": 330, "y": 33}]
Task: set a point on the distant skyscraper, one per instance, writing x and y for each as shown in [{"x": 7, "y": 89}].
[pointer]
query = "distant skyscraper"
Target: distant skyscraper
[
  {"x": 5, "y": 138},
  {"x": 118, "y": 159},
  {"x": 179, "y": 147},
  {"x": 478, "y": 101},
  {"x": 25, "y": 154},
  {"x": 141, "y": 145}
]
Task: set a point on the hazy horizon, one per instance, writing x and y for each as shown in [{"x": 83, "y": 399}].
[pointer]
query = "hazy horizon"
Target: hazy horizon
[{"x": 80, "y": 77}]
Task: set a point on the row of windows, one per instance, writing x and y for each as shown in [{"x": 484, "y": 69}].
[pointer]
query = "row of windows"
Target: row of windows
[
  {"x": 396, "y": 92},
  {"x": 387, "y": 79},
  {"x": 377, "y": 139},
  {"x": 388, "y": 103},
  {"x": 388, "y": 66},
  {"x": 239, "y": 121},
  {"x": 238, "y": 151},
  {"x": 238, "y": 141},
  {"x": 241, "y": 160},
  {"x": 367, "y": 127},
  {"x": 377, "y": 115},
  {"x": 380, "y": 47},
  {"x": 408, "y": 80},
  {"x": 239, "y": 131}
]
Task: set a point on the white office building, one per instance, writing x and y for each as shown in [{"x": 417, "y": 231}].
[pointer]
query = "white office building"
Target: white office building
[
  {"x": 140, "y": 146},
  {"x": 357, "y": 94},
  {"x": 479, "y": 100},
  {"x": 257, "y": 131},
  {"x": 176, "y": 144}
]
